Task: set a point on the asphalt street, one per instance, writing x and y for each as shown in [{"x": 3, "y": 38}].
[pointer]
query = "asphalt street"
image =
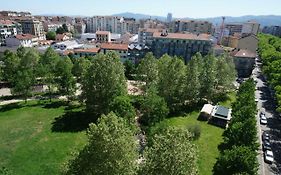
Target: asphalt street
[{"x": 267, "y": 104}]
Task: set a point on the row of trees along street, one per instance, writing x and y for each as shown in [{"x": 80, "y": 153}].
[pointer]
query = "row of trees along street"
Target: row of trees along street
[
  {"x": 270, "y": 53},
  {"x": 238, "y": 152},
  {"x": 169, "y": 87}
]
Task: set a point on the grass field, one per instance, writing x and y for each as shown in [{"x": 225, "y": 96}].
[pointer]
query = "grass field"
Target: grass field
[
  {"x": 211, "y": 136},
  {"x": 30, "y": 144}
]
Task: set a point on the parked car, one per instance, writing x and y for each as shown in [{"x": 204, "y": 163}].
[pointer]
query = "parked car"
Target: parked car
[
  {"x": 263, "y": 120},
  {"x": 262, "y": 114},
  {"x": 268, "y": 156},
  {"x": 266, "y": 145},
  {"x": 256, "y": 100},
  {"x": 265, "y": 136}
]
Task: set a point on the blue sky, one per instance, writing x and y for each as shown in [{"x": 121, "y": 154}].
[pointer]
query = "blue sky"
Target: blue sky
[{"x": 179, "y": 8}]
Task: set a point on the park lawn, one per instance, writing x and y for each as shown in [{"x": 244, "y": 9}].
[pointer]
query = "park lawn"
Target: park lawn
[
  {"x": 211, "y": 136},
  {"x": 28, "y": 145}
]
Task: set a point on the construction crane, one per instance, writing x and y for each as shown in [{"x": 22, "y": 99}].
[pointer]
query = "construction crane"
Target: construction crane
[{"x": 221, "y": 31}]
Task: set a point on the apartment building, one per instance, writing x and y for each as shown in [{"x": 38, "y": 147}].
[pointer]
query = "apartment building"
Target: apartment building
[
  {"x": 145, "y": 36},
  {"x": 234, "y": 28},
  {"x": 180, "y": 44},
  {"x": 51, "y": 26},
  {"x": 103, "y": 36},
  {"x": 33, "y": 27},
  {"x": 114, "y": 24},
  {"x": 251, "y": 27},
  {"x": 191, "y": 26},
  {"x": 122, "y": 49},
  {"x": 273, "y": 30},
  {"x": 8, "y": 28}
]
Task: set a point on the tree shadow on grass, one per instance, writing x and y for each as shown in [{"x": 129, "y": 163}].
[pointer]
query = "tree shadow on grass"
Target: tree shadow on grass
[
  {"x": 17, "y": 105},
  {"x": 73, "y": 121},
  {"x": 55, "y": 104}
]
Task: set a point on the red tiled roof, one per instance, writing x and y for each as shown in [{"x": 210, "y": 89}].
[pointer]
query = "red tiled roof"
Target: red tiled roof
[
  {"x": 25, "y": 36},
  {"x": 6, "y": 22},
  {"x": 245, "y": 54},
  {"x": 185, "y": 36},
  {"x": 111, "y": 46},
  {"x": 60, "y": 36},
  {"x": 91, "y": 50},
  {"x": 102, "y": 32}
]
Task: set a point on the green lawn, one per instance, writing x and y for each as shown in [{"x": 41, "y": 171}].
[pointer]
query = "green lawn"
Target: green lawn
[
  {"x": 28, "y": 145},
  {"x": 211, "y": 136}
]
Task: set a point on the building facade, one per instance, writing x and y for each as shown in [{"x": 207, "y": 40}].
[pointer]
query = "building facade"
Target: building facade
[
  {"x": 179, "y": 44},
  {"x": 234, "y": 28},
  {"x": 244, "y": 61},
  {"x": 33, "y": 27},
  {"x": 24, "y": 40},
  {"x": 250, "y": 27},
  {"x": 273, "y": 30},
  {"x": 249, "y": 42},
  {"x": 121, "y": 49},
  {"x": 191, "y": 26},
  {"x": 145, "y": 36},
  {"x": 8, "y": 28}
]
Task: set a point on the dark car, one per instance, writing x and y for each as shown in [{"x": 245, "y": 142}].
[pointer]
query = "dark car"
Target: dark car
[
  {"x": 265, "y": 136},
  {"x": 266, "y": 146},
  {"x": 262, "y": 114}
]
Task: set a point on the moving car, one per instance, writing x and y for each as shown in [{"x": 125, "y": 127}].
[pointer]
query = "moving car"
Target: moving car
[
  {"x": 263, "y": 120},
  {"x": 268, "y": 156}
]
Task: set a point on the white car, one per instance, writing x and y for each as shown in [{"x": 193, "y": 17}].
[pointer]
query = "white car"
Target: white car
[
  {"x": 268, "y": 156},
  {"x": 263, "y": 120}
]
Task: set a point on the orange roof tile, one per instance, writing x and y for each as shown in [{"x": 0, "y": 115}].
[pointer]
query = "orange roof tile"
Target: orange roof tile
[
  {"x": 91, "y": 50},
  {"x": 102, "y": 32},
  {"x": 111, "y": 46},
  {"x": 25, "y": 36}
]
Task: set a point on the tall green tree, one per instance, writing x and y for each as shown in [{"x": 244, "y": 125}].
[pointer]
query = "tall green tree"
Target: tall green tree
[
  {"x": 80, "y": 68},
  {"x": 26, "y": 74},
  {"x": 148, "y": 70},
  {"x": 111, "y": 149},
  {"x": 208, "y": 78},
  {"x": 47, "y": 69},
  {"x": 65, "y": 80},
  {"x": 171, "y": 73},
  {"x": 153, "y": 108},
  {"x": 192, "y": 87},
  {"x": 11, "y": 63},
  {"x": 171, "y": 153},
  {"x": 103, "y": 81},
  {"x": 238, "y": 160},
  {"x": 130, "y": 69},
  {"x": 51, "y": 35}
]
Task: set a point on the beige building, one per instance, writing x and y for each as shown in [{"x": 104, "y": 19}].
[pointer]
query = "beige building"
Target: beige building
[
  {"x": 230, "y": 41},
  {"x": 122, "y": 49},
  {"x": 103, "y": 36},
  {"x": 145, "y": 36},
  {"x": 244, "y": 61},
  {"x": 33, "y": 27},
  {"x": 191, "y": 26},
  {"x": 249, "y": 42}
]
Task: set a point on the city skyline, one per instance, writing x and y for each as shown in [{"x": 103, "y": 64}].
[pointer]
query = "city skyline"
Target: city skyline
[{"x": 178, "y": 8}]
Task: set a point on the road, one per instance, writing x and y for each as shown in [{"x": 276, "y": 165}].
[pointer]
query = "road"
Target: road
[{"x": 267, "y": 104}]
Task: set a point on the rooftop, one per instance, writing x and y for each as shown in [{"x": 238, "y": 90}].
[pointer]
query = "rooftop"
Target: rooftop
[
  {"x": 222, "y": 111},
  {"x": 111, "y": 46},
  {"x": 90, "y": 50},
  {"x": 245, "y": 54},
  {"x": 184, "y": 36},
  {"x": 25, "y": 36},
  {"x": 102, "y": 32}
]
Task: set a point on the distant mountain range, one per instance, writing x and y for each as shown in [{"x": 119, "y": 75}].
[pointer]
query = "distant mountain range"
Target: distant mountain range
[{"x": 265, "y": 20}]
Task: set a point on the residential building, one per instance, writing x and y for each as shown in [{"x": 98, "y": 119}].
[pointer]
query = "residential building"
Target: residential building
[
  {"x": 191, "y": 26},
  {"x": 250, "y": 27},
  {"x": 33, "y": 27},
  {"x": 234, "y": 28},
  {"x": 145, "y": 36},
  {"x": 137, "y": 52},
  {"x": 230, "y": 41},
  {"x": 8, "y": 28},
  {"x": 15, "y": 14},
  {"x": 62, "y": 37},
  {"x": 51, "y": 26},
  {"x": 24, "y": 40},
  {"x": 180, "y": 44},
  {"x": 80, "y": 27},
  {"x": 113, "y": 24},
  {"x": 103, "y": 36},
  {"x": 273, "y": 30},
  {"x": 169, "y": 17},
  {"x": 122, "y": 49},
  {"x": 244, "y": 61},
  {"x": 86, "y": 52},
  {"x": 248, "y": 42}
]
